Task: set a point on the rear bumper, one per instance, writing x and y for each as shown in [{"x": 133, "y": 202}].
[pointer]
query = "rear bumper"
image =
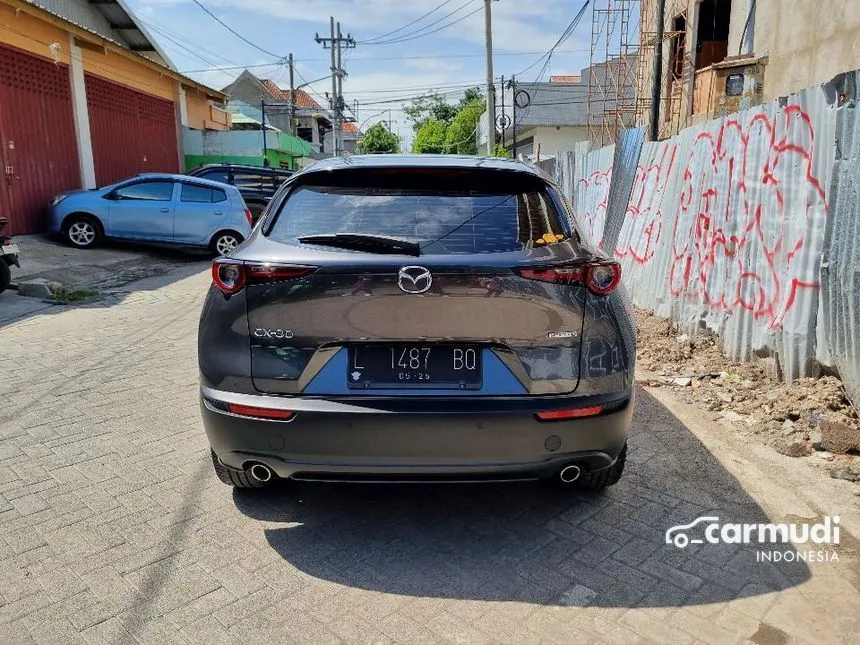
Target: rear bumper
[{"x": 377, "y": 439}]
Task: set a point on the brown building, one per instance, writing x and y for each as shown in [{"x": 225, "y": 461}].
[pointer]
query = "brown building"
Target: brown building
[
  {"x": 86, "y": 98},
  {"x": 720, "y": 56}
]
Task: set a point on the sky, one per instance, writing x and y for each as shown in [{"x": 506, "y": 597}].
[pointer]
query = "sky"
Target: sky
[{"x": 381, "y": 76}]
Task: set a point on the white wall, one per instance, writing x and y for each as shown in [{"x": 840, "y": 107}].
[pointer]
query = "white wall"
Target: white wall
[{"x": 554, "y": 139}]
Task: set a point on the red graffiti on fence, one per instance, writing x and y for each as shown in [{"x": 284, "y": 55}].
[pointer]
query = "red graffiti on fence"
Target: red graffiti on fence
[
  {"x": 734, "y": 240},
  {"x": 644, "y": 216},
  {"x": 742, "y": 215}
]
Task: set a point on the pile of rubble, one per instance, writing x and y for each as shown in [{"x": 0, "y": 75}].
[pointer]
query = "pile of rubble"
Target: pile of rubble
[{"x": 806, "y": 417}]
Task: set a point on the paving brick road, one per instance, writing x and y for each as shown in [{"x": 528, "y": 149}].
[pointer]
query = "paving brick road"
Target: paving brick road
[{"x": 113, "y": 528}]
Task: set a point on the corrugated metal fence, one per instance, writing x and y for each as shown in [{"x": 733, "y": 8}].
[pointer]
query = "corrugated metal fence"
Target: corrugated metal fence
[{"x": 728, "y": 224}]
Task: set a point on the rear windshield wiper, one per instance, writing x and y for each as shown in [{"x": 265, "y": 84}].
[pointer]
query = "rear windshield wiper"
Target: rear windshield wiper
[{"x": 362, "y": 242}]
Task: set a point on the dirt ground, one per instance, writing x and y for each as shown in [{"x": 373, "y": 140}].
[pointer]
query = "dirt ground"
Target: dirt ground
[{"x": 808, "y": 418}]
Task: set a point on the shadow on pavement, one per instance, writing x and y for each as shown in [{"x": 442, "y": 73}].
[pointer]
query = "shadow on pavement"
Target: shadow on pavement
[
  {"x": 525, "y": 542},
  {"x": 111, "y": 271}
]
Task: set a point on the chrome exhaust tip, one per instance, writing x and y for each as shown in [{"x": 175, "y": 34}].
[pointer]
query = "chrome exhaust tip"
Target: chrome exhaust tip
[
  {"x": 569, "y": 474},
  {"x": 261, "y": 472}
]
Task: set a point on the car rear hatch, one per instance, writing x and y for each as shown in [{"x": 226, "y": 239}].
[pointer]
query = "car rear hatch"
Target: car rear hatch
[{"x": 431, "y": 281}]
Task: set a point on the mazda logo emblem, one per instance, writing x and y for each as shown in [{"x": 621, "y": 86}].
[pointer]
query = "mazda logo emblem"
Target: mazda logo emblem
[{"x": 414, "y": 279}]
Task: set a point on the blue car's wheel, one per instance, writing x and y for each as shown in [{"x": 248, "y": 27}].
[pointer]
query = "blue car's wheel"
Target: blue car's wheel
[
  {"x": 82, "y": 231},
  {"x": 225, "y": 241}
]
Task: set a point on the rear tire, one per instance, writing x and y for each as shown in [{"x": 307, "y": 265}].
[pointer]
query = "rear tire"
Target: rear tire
[
  {"x": 602, "y": 478},
  {"x": 82, "y": 231},
  {"x": 5, "y": 276},
  {"x": 235, "y": 478}
]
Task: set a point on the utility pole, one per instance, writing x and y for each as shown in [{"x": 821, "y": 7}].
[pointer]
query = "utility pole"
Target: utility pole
[
  {"x": 491, "y": 90},
  {"x": 389, "y": 119},
  {"x": 265, "y": 149},
  {"x": 335, "y": 41},
  {"x": 503, "y": 109},
  {"x": 340, "y": 103},
  {"x": 513, "y": 83},
  {"x": 658, "y": 71},
  {"x": 293, "y": 128}
]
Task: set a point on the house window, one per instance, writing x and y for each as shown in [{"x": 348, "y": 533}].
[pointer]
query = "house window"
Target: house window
[
  {"x": 712, "y": 35},
  {"x": 305, "y": 133},
  {"x": 678, "y": 44}
]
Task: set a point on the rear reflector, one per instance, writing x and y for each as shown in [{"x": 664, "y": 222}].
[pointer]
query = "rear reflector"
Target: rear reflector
[
  {"x": 576, "y": 413},
  {"x": 262, "y": 413},
  {"x": 249, "y": 217}
]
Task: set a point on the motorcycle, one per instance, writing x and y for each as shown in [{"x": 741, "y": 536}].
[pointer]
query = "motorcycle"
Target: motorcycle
[{"x": 8, "y": 256}]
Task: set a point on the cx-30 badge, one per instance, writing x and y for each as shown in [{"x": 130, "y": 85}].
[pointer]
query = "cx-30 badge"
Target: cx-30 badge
[{"x": 414, "y": 279}]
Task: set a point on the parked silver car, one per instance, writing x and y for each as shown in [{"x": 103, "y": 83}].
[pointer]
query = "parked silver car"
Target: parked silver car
[
  {"x": 417, "y": 317},
  {"x": 162, "y": 208}
]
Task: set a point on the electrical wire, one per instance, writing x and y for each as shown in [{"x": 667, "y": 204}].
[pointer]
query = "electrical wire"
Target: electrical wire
[
  {"x": 176, "y": 43},
  {"x": 376, "y": 58},
  {"x": 408, "y": 24},
  {"x": 233, "y": 31},
  {"x": 564, "y": 36},
  {"x": 181, "y": 37},
  {"x": 413, "y": 35}
]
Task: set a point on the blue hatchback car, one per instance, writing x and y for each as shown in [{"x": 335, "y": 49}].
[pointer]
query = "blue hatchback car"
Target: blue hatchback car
[{"x": 162, "y": 208}]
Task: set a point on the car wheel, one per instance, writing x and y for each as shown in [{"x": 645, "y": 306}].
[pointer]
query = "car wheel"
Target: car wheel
[
  {"x": 82, "y": 232},
  {"x": 235, "y": 478},
  {"x": 5, "y": 276},
  {"x": 225, "y": 241},
  {"x": 602, "y": 478}
]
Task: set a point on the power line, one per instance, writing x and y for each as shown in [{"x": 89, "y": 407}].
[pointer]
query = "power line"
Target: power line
[
  {"x": 564, "y": 36},
  {"x": 408, "y": 24},
  {"x": 357, "y": 59},
  {"x": 234, "y": 32},
  {"x": 412, "y": 35},
  {"x": 181, "y": 46},
  {"x": 450, "y": 24},
  {"x": 177, "y": 36}
]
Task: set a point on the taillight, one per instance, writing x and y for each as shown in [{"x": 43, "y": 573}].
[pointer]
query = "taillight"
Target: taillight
[
  {"x": 260, "y": 413},
  {"x": 271, "y": 272},
  {"x": 230, "y": 276},
  {"x": 574, "y": 413},
  {"x": 249, "y": 217},
  {"x": 601, "y": 278}
]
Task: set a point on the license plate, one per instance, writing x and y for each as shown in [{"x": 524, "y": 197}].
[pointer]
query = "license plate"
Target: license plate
[
  {"x": 414, "y": 365},
  {"x": 9, "y": 249}
]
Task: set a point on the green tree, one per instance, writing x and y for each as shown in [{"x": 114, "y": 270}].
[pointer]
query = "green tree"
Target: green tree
[
  {"x": 430, "y": 106},
  {"x": 472, "y": 94},
  {"x": 461, "y": 136},
  {"x": 378, "y": 138},
  {"x": 430, "y": 137},
  {"x": 501, "y": 151}
]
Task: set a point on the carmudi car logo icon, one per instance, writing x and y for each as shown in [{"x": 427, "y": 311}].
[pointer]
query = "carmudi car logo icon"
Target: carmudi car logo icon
[
  {"x": 677, "y": 535},
  {"x": 709, "y": 530}
]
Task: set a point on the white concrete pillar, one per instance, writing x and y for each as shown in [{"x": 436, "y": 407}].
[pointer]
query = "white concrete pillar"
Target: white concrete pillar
[
  {"x": 181, "y": 110},
  {"x": 81, "y": 116},
  {"x": 183, "y": 105}
]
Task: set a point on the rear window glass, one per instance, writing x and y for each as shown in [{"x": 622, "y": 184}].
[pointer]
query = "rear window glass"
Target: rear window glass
[
  {"x": 202, "y": 194},
  {"x": 440, "y": 221},
  {"x": 216, "y": 175}
]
